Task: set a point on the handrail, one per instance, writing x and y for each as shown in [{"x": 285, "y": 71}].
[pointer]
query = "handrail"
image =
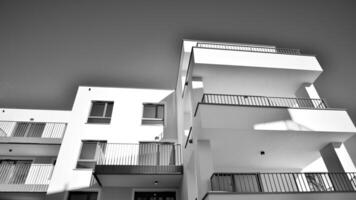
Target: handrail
[
  {"x": 32, "y": 129},
  {"x": 284, "y": 182},
  {"x": 143, "y": 154},
  {"x": 263, "y": 101},
  {"x": 249, "y": 48}
]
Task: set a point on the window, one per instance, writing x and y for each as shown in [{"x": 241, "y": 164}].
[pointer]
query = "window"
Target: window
[
  {"x": 83, "y": 196},
  {"x": 161, "y": 195},
  {"x": 153, "y": 113},
  {"x": 91, "y": 153},
  {"x": 14, "y": 171},
  {"x": 101, "y": 112},
  {"x": 28, "y": 129}
]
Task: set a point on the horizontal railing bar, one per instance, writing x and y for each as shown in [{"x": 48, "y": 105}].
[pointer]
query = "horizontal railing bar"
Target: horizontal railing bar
[
  {"x": 249, "y": 48},
  {"x": 32, "y": 129},
  {"x": 33, "y": 121}
]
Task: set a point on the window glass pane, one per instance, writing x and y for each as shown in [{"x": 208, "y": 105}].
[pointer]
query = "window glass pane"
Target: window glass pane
[
  {"x": 160, "y": 111},
  {"x": 93, "y": 196},
  {"x": 246, "y": 183},
  {"x": 88, "y": 151},
  {"x": 149, "y": 111},
  {"x": 83, "y": 196},
  {"x": 97, "y": 109},
  {"x": 109, "y": 109},
  {"x": 21, "y": 129},
  {"x": 36, "y": 129}
]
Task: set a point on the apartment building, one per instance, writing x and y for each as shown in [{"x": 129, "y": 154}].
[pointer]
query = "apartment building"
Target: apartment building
[{"x": 245, "y": 122}]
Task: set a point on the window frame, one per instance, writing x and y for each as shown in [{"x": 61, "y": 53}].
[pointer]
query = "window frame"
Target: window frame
[
  {"x": 103, "y": 117},
  {"x": 89, "y": 191},
  {"x": 96, "y": 158},
  {"x": 154, "y": 121},
  {"x": 27, "y": 130}
]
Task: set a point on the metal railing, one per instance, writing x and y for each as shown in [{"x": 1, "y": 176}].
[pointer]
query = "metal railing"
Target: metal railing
[
  {"x": 25, "y": 177},
  {"x": 32, "y": 129},
  {"x": 283, "y": 182},
  {"x": 249, "y": 48},
  {"x": 143, "y": 154},
  {"x": 263, "y": 101}
]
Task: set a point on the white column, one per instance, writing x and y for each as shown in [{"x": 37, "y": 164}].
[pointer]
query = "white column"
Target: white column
[
  {"x": 331, "y": 159},
  {"x": 205, "y": 166}
]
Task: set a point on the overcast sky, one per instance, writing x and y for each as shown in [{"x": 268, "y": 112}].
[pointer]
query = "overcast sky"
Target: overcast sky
[{"x": 47, "y": 49}]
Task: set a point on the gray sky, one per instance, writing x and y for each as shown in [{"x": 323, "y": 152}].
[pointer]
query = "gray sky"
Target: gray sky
[{"x": 48, "y": 48}]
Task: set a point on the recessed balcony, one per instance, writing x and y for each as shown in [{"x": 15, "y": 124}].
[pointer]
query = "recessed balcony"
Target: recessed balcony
[
  {"x": 282, "y": 186},
  {"x": 31, "y": 138},
  {"x": 19, "y": 177},
  {"x": 145, "y": 164}
]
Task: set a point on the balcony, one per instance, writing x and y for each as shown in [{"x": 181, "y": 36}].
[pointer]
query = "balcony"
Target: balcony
[
  {"x": 31, "y": 138},
  {"x": 282, "y": 186},
  {"x": 25, "y": 177},
  {"x": 251, "y": 124},
  {"x": 271, "y": 113},
  {"x": 245, "y": 68},
  {"x": 128, "y": 164}
]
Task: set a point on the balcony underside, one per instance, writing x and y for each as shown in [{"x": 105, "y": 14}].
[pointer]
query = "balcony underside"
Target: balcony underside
[
  {"x": 29, "y": 149},
  {"x": 23, "y": 188},
  {"x": 280, "y": 196},
  {"x": 30, "y": 140},
  {"x": 138, "y": 176},
  {"x": 23, "y": 195},
  {"x": 234, "y": 149},
  {"x": 240, "y": 149},
  {"x": 274, "y": 118}
]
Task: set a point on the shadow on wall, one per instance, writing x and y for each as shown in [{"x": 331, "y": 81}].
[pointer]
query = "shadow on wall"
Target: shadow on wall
[
  {"x": 170, "y": 128},
  {"x": 281, "y": 125}
]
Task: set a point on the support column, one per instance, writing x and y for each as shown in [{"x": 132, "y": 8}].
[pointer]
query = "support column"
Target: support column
[
  {"x": 205, "y": 167},
  {"x": 337, "y": 175}
]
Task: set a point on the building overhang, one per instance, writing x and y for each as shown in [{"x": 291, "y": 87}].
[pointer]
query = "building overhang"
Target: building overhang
[{"x": 138, "y": 176}]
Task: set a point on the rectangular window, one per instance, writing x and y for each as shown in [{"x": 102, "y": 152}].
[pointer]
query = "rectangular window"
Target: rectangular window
[
  {"x": 28, "y": 129},
  {"x": 100, "y": 112},
  {"x": 91, "y": 153},
  {"x": 14, "y": 171},
  {"x": 153, "y": 113},
  {"x": 83, "y": 196}
]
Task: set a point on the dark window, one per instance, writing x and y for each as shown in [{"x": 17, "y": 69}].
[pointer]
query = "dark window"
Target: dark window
[
  {"x": 14, "y": 171},
  {"x": 83, "y": 196},
  {"x": 28, "y": 129},
  {"x": 100, "y": 112},
  {"x": 155, "y": 196},
  {"x": 153, "y": 113},
  {"x": 91, "y": 153}
]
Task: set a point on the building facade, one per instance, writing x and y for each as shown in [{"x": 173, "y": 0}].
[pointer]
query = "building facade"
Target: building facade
[{"x": 245, "y": 122}]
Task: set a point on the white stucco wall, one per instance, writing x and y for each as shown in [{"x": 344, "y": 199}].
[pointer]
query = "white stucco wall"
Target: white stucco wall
[{"x": 125, "y": 127}]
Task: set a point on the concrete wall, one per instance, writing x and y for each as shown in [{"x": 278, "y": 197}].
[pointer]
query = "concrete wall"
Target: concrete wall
[{"x": 125, "y": 127}]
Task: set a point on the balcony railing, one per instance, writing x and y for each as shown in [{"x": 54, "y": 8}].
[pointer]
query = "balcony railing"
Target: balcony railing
[
  {"x": 263, "y": 101},
  {"x": 144, "y": 154},
  {"x": 283, "y": 182},
  {"x": 25, "y": 177},
  {"x": 32, "y": 129},
  {"x": 249, "y": 48}
]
